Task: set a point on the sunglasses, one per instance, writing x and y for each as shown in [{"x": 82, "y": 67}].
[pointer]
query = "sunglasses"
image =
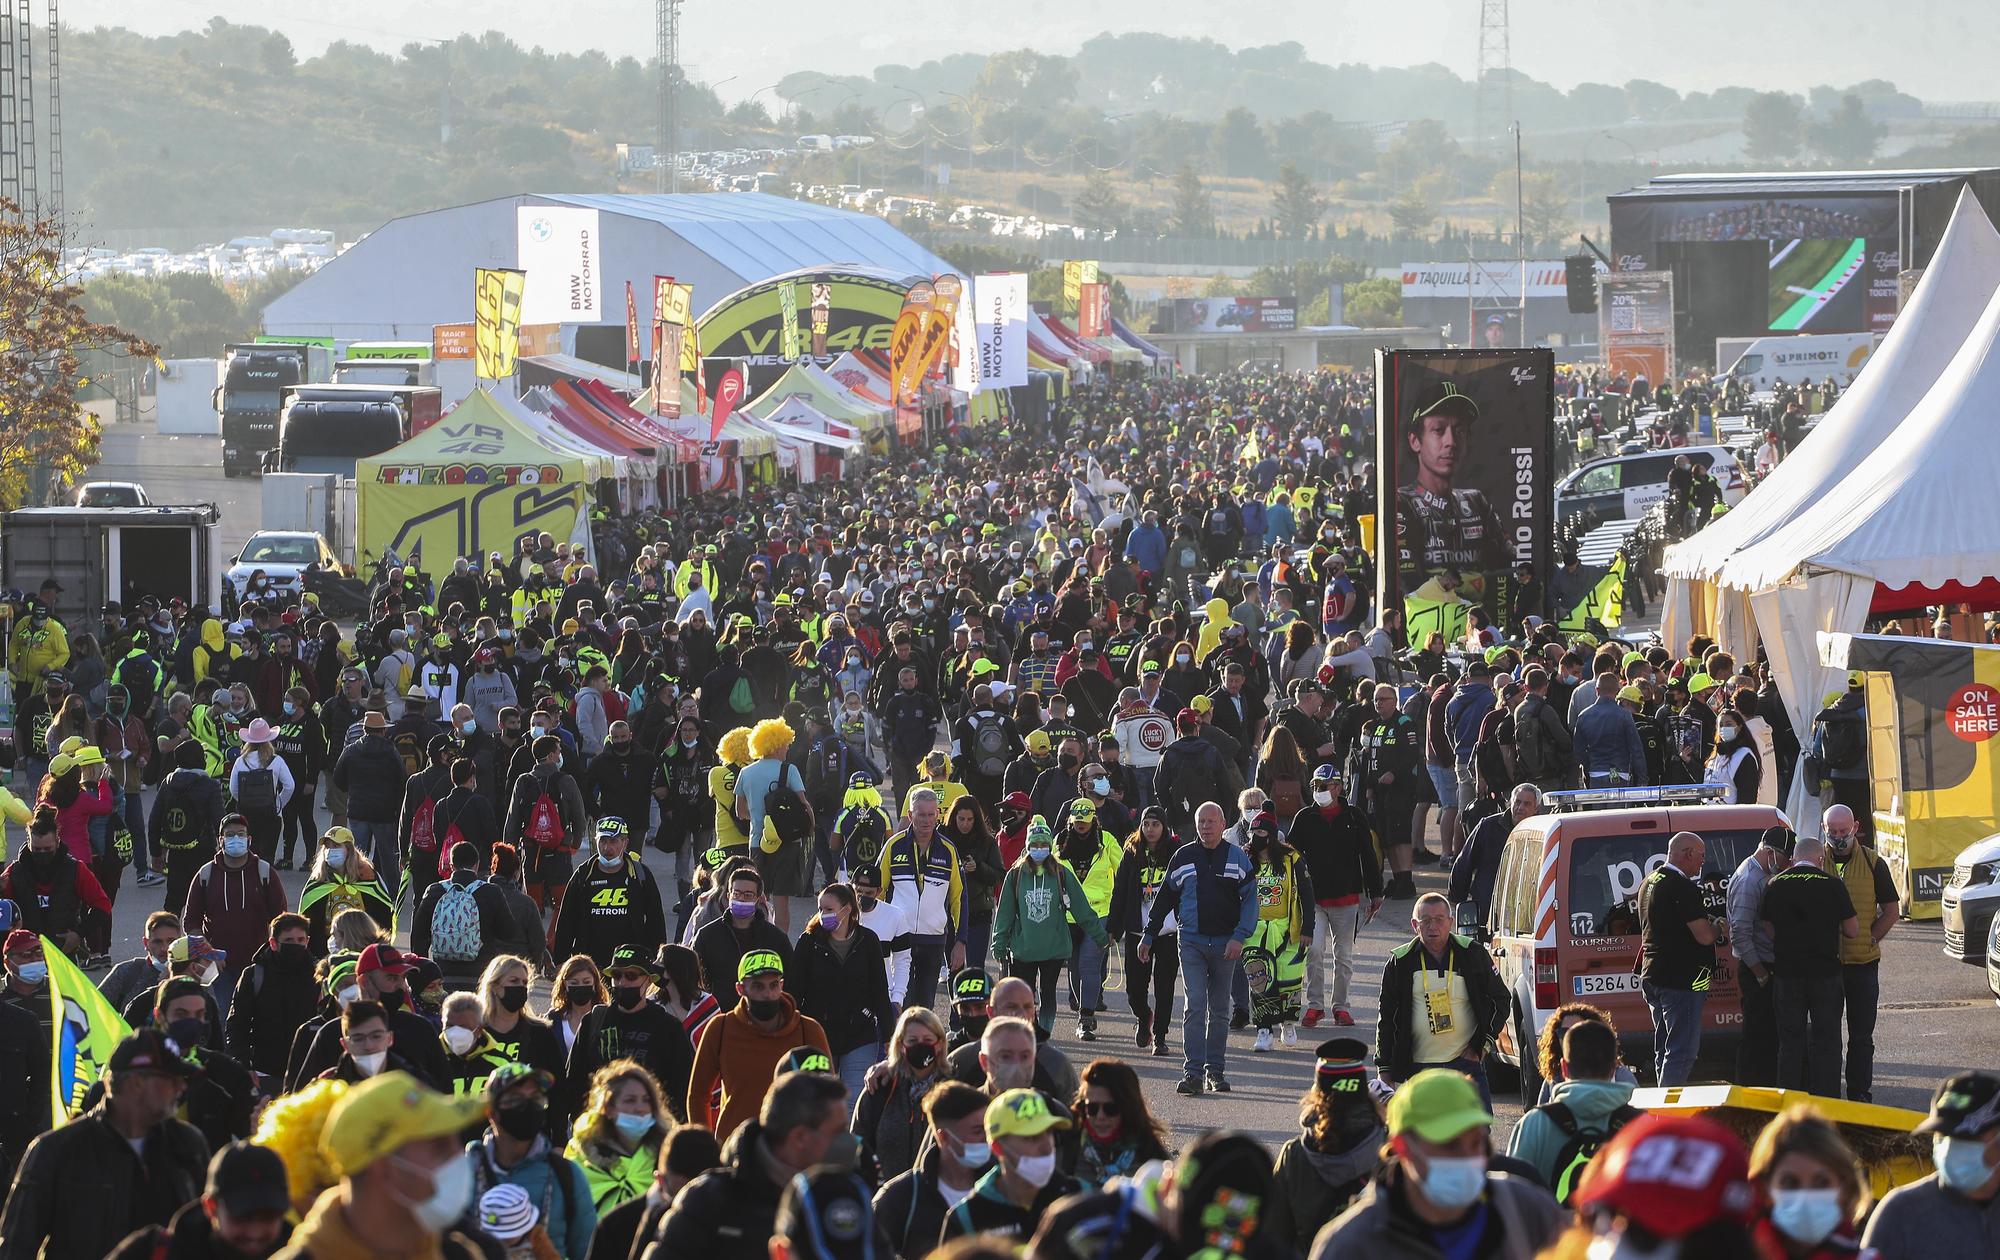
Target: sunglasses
[{"x": 1108, "y": 1110}]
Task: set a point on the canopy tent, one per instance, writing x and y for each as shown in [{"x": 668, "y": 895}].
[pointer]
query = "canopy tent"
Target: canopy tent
[
  {"x": 1051, "y": 349},
  {"x": 598, "y": 430},
  {"x": 1095, "y": 355},
  {"x": 675, "y": 452},
  {"x": 1120, "y": 352},
  {"x": 1947, "y": 303},
  {"x": 693, "y": 424},
  {"x": 810, "y": 443},
  {"x": 542, "y": 369},
  {"x": 861, "y": 379},
  {"x": 1134, "y": 340},
  {"x": 475, "y": 482},
  {"x": 1916, "y": 523},
  {"x": 825, "y": 394}
]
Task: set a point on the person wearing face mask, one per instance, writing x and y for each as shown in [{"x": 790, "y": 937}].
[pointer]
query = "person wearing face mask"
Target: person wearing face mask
[
  {"x": 842, "y": 983},
  {"x": 405, "y": 1182},
  {"x": 274, "y": 998},
  {"x": 1955, "y": 1211},
  {"x": 341, "y": 878},
  {"x": 611, "y": 901},
  {"x": 370, "y": 772},
  {"x": 617, "y": 1139},
  {"x": 1734, "y": 764},
  {"x": 515, "y": 1150},
  {"x": 1337, "y": 845},
  {"x": 1023, "y": 1182},
  {"x": 1031, "y": 928},
  {"x": 129, "y": 978},
  {"x": 367, "y": 1045},
  {"x": 911, "y": 1206},
  {"x": 730, "y": 1212},
  {"x": 741, "y": 1048},
  {"x": 462, "y": 923},
  {"x": 888, "y": 1112},
  {"x": 1813, "y": 1194},
  {"x": 631, "y": 1026},
  {"x": 381, "y": 979},
  {"x": 57, "y": 896},
  {"x": 193, "y": 958},
  {"x": 123, "y": 1165},
  {"x": 1438, "y": 1187},
  {"x": 233, "y": 900},
  {"x": 222, "y": 1096}
]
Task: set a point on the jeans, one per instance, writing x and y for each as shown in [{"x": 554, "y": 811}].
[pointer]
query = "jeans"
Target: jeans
[
  {"x": 1861, "y": 988},
  {"x": 1158, "y": 976},
  {"x": 378, "y": 841},
  {"x": 1042, "y": 976},
  {"x": 1676, "y": 1030},
  {"x": 1338, "y": 928},
  {"x": 1808, "y": 1010},
  {"x": 1206, "y": 1031},
  {"x": 1757, "y": 1053},
  {"x": 926, "y": 960},
  {"x": 224, "y": 987},
  {"x": 1475, "y": 1069},
  {"x": 979, "y": 937},
  {"x": 1088, "y": 962},
  {"x": 852, "y": 1067}
]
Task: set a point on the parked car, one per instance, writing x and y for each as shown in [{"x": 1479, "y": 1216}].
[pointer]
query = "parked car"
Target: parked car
[
  {"x": 1970, "y": 900},
  {"x": 110, "y": 494},
  {"x": 285, "y": 556},
  {"x": 1625, "y": 487},
  {"x": 1564, "y": 922},
  {"x": 1993, "y": 959}
]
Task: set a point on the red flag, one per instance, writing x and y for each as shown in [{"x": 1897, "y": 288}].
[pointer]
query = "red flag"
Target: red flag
[{"x": 728, "y": 391}]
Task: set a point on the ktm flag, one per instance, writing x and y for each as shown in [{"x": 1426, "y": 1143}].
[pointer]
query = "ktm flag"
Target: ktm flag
[
  {"x": 906, "y": 342},
  {"x": 496, "y": 321}
]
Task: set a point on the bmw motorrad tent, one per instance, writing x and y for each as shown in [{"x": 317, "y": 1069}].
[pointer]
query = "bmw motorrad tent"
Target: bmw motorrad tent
[
  {"x": 475, "y": 482},
  {"x": 1903, "y": 514}
]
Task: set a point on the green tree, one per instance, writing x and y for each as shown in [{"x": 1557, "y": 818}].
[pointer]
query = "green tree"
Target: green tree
[
  {"x": 1848, "y": 134},
  {"x": 1296, "y": 205},
  {"x": 1194, "y": 209},
  {"x": 1773, "y": 127},
  {"x": 1376, "y": 302},
  {"x": 1546, "y": 211},
  {"x": 1413, "y": 212},
  {"x": 1099, "y": 207},
  {"x": 276, "y": 56},
  {"x": 1238, "y": 147}
]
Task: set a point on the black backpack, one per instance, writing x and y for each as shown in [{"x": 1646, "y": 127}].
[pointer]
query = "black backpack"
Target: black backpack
[
  {"x": 1579, "y": 1145},
  {"x": 786, "y": 812},
  {"x": 989, "y": 745},
  {"x": 178, "y": 830},
  {"x": 1843, "y": 744},
  {"x": 257, "y": 790}
]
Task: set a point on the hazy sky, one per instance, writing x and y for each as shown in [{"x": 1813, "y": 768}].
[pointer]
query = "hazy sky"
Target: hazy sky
[{"x": 1935, "y": 49}]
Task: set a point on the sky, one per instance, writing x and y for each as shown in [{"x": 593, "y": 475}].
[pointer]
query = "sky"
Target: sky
[{"x": 1938, "y": 50}]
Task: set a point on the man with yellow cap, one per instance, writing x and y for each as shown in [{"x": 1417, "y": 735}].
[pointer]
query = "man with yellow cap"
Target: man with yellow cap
[
  {"x": 1438, "y": 1187},
  {"x": 1023, "y": 1183},
  {"x": 405, "y": 1183}
]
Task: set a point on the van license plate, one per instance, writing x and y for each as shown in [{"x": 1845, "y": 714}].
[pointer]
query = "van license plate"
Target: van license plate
[{"x": 1606, "y": 982}]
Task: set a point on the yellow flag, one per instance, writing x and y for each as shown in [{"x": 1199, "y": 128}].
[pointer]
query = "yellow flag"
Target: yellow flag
[
  {"x": 496, "y": 329},
  {"x": 87, "y": 1030},
  {"x": 1605, "y": 601}
]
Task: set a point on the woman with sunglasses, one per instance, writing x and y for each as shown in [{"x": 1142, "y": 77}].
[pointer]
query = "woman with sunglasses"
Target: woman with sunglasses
[{"x": 1118, "y": 1134}]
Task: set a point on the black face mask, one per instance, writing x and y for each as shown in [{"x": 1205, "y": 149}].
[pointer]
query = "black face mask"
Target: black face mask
[
  {"x": 581, "y": 995},
  {"x": 868, "y": 903},
  {"x": 974, "y": 1025},
  {"x": 294, "y": 955},
  {"x": 44, "y": 862},
  {"x": 628, "y": 999},
  {"x": 188, "y": 1033},
  {"x": 522, "y": 1121},
  {"x": 392, "y": 1000},
  {"x": 513, "y": 997},
  {"x": 920, "y": 1057},
  {"x": 765, "y": 1009}
]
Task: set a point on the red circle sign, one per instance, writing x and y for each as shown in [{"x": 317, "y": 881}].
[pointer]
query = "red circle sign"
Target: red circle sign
[{"x": 1974, "y": 712}]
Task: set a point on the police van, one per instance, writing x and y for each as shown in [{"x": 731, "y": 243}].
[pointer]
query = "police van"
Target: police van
[
  {"x": 1564, "y": 923},
  {"x": 1625, "y": 487}
]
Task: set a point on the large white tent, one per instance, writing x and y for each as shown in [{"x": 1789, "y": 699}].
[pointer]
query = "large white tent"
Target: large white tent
[{"x": 1963, "y": 275}]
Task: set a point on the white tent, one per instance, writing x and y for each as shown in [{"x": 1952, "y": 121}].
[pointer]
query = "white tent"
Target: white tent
[
  {"x": 1916, "y": 523},
  {"x": 1964, "y": 273}
]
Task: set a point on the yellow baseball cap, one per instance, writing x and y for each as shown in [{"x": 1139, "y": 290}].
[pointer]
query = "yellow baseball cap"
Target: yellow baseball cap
[
  {"x": 61, "y": 763},
  {"x": 1700, "y": 683},
  {"x": 385, "y": 1113},
  {"x": 1632, "y": 694},
  {"x": 1437, "y": 1105},
  {"x": 1201, "y": 704},
  {"x": 70, "y": 745},
  {"x": 1021, "y": 1113},
  {"x": 1038, "y": 742},
  {"x": 89, "y": 755}
]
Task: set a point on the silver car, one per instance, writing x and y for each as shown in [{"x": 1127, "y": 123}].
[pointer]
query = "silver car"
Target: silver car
[{"x": 1970, "y": 900}]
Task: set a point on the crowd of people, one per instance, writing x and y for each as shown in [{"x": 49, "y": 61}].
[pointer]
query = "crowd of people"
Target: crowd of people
[{"x": 815, "y": 810}]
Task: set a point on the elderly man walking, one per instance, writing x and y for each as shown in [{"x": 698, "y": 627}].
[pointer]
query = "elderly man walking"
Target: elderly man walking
[{"x": 1214, "y": 899}]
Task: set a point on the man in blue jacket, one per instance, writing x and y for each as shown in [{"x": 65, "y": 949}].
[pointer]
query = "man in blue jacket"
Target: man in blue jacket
[
  {"x": 1607, "y": 740},
  {"x": 1215, "y": 902},
  {"x": 1470, "y": 702},
  {"x": 1148, "y": 545}
]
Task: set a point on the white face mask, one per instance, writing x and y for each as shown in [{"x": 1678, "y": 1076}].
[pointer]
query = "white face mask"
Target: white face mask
[
  {"x": 973, "y": 1156},
  {"x": 1036, "y": 1169},
  {"x": 1806, "y": 1216},
  {"x": 1322, "y": 798},
  {"x": 346, "y": 996},
  {"x": 371, "y": 1064},
  {"x": 336, "y": 858},
  {"x": 451, "y": 1192},
  {"x": 459, "y": 1040},
  {"x": 206, "y": 973}
]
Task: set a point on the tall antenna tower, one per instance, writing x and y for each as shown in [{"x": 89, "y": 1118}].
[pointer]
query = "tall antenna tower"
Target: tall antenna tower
[
  {"x": 10, "y": 118},
  {"x": 24, "y": 35},
  {"x": 55, "y": 115},
  {"x": 1493, "y": 90},
  {"x": 667, "y": 21}
]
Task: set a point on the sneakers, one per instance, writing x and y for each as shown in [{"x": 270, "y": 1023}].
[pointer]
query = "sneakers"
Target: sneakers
[
  {"x": 1313, "y": 1015},
  {"x": 1086, "y": 1030},
  {"x": 1216, "y": 1085},
  {"x": 1288, "y": 1035},
  {"x": 1159, "y": 1047},
  {"x": 1263, "y": 1045},
  {"x": 1145, "y": 1038},
  {"x": 282, "y": 864},
  {"x": 1342, "y": 1017},
  {"x": 1190, "y": 1086},
  {"x": 1423, "y": 857},
  {"x": 1402, "y": 887},
  {"x": 1239, "y": 1019},
  {"x": 149, "y": 878}
]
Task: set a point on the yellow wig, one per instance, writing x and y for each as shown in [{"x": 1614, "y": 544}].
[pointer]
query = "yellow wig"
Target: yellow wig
[
  {"x": 735, "y": 747},
  {"x": 291, "y": 1127},
  {"x": 771, "y": 737}
]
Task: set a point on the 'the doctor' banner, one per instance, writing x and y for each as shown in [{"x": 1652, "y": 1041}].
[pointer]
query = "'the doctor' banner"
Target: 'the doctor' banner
[{"x": 558, "y": 246}]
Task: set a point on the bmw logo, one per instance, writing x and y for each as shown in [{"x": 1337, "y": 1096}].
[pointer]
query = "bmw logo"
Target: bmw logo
[{"x": 540, "y": 228}]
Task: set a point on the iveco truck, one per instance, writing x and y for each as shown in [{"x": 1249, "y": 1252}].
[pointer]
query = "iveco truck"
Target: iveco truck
[{"x": 254, "y": 380}]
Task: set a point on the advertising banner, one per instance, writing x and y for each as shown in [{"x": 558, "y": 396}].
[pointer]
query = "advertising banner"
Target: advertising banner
[
  {"x": 1076, "y": 274},
  {"x": 1635, "y": 323},
  {"x": 1490, "y": 280},
  {"x": 496, "y": 309},
  {"x": 451, "y": 341},
  {"x": 822, "y": 312},
  {"x": 632, "y": 354},
  {"x": 858, "y": 310},
  {"x": 1249, "y": 315},
  {"x": 788, "y": 313},
  {"x": 728, "y": 392},
  {"x": 993, "y": 334},
  {"x": 1465, "y": 475},
  {"x": 558, "y": 246},
  {"x": 667, "y": 401},
  {"x": 1093, "y": 313}
]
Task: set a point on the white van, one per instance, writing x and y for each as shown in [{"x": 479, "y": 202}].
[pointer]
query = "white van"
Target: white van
[
  {"x": 1796, "y": 360},
  {"x": 1625, "y": 487}
]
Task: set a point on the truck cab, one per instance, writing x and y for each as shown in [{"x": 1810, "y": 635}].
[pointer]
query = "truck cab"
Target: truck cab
[{"x": 254, "y": 379}]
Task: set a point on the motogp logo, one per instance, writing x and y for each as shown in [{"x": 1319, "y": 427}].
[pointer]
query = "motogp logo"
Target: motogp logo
[{"x": 1521, "y": 375}]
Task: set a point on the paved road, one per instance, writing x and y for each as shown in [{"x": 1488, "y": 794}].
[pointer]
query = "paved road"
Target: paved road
[{"x": 182, "y": 470}]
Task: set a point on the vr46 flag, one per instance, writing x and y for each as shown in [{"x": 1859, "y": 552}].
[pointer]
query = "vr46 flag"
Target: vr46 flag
[
  {"x": 496, "y": 328},
  {"x": 87, "y": 1030}
]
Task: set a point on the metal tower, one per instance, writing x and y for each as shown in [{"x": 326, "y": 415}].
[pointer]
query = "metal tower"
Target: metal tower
[
  {"x": 667, "y": 23},
  {"x": 55, "y": 115},
  {"x": 10, "y": 120},
  {"x": 24, "y": 35},
  {"x": 1493, "y": 89}
]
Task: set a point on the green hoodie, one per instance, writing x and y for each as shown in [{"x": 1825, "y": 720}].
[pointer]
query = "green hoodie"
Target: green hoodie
[
  {"x": 1029, "y": 923},
  {"x": 1538, "y": 1141}
]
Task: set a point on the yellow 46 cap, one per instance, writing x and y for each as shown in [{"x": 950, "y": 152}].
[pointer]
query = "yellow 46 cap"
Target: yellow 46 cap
[
  {"x": 1021, "y": 1113},
  {"x": 385, "y": 1113}
]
